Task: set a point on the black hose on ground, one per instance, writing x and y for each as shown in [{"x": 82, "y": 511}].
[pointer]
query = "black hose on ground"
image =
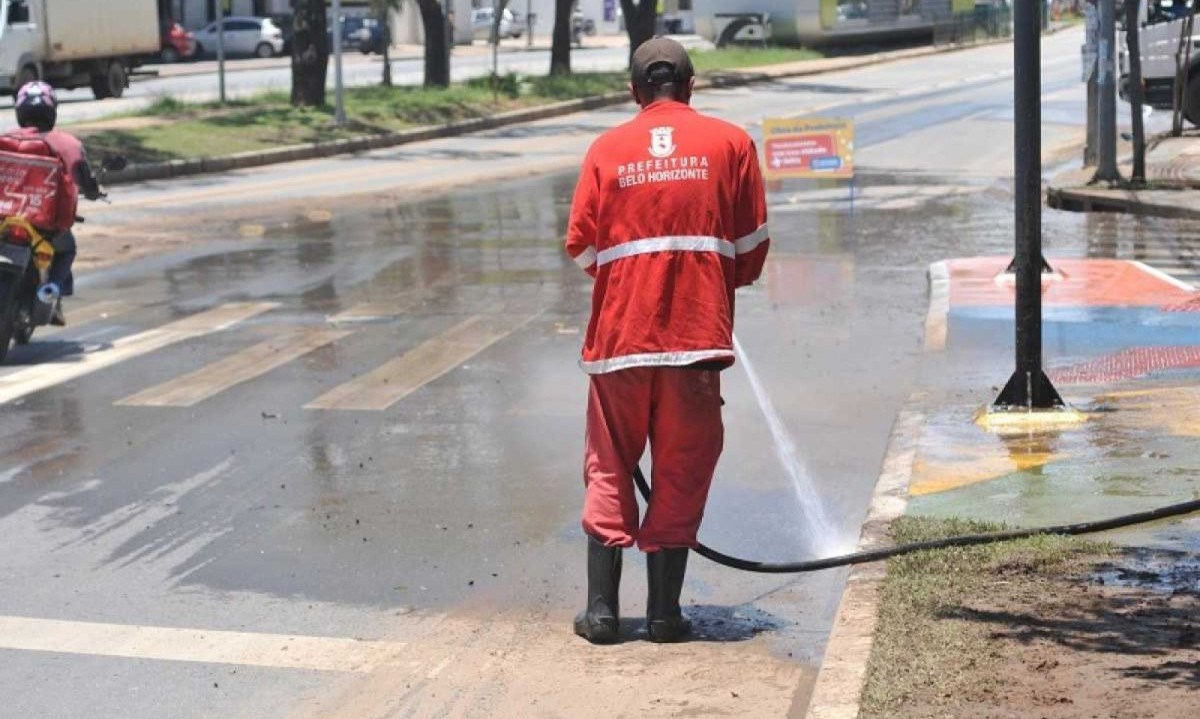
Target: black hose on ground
[{"x": 968, "y": 540}]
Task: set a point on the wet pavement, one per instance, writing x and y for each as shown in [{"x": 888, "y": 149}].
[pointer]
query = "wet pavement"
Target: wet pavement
[{"x": 325, "y": 459}]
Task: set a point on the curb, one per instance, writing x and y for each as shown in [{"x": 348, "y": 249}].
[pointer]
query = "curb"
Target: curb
[
  {"x": 1127, "y": 201},
  {"x": 312, "y": 151},
  {"x": 837, "y": 693}
]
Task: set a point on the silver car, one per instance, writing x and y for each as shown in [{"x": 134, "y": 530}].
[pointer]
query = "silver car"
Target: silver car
[{"x": 257, "y": 36}]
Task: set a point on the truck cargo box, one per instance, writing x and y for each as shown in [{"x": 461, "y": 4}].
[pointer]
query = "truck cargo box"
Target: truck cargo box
[{"x": 87, "y": 29}]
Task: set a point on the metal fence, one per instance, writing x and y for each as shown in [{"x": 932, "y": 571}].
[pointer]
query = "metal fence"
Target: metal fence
[{"x": 984, "y": 22}]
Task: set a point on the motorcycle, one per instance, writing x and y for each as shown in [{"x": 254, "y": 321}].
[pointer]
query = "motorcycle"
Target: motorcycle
[{"x": 27, "y": 297}]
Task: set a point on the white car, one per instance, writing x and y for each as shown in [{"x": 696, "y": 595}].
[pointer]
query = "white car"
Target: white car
[
  {"x": 257, "y": 36},
  {"x": 483, "y": 18}
]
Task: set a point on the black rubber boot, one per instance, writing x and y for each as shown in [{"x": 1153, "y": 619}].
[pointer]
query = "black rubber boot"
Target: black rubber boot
[
  {"x": 599, "y": 623},
  {"x": 664, "y": 572}
]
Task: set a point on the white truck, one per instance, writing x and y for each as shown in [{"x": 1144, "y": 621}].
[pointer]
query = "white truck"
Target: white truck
[
  {"x": 1161, "y": 23},
  {"x": 76, "y": 43}
]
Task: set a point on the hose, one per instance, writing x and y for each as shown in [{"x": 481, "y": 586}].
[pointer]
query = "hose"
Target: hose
[{"x": 967, "y": 540}]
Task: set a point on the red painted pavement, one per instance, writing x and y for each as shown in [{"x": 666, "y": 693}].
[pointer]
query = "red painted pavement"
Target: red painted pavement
[
  {"x": 978, "y": 282},
  {"x": 1128, "y": 364}
]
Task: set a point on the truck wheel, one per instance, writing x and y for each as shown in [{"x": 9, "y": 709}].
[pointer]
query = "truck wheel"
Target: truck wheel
[
  {"x": 170, "y": 55},
  {"x": 264, "y": 50},
  {"x": 112, "y": 83}
]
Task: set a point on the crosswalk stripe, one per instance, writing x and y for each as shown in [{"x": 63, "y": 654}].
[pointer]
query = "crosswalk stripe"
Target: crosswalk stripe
[
  {"x": 243, "y": 366},
  {"x": 282, "y": 651},
  {"x": 400, "y": 377},
  {"x": 33, "y": 379},
  {"x": 370, "y": 311}
]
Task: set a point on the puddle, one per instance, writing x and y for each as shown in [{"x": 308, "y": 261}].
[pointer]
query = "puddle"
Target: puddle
[{"x": 1156, "y": 570}]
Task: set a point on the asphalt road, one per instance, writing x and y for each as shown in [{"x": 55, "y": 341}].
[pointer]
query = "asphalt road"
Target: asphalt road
[{"x": 322, "y": 456}]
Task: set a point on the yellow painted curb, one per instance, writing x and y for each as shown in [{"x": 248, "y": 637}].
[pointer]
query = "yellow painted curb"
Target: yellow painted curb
[{"x": 1020, "y": 419}]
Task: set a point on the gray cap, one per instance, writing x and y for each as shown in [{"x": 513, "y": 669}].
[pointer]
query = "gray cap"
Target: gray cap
[{"x": 660, "y": 50}]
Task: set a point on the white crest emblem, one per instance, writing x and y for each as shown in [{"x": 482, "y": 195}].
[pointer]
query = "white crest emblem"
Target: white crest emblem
[{"x": 661, "y": 142}]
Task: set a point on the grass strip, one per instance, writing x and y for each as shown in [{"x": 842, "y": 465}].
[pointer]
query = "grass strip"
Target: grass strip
[
  {"x": 737, "y": 58},
  {"x": 925, "y": 654},
  {"x": 170, "y": 129}
]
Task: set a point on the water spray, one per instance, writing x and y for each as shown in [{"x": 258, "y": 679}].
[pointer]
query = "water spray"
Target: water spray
[{"x": 822, "y": 530}]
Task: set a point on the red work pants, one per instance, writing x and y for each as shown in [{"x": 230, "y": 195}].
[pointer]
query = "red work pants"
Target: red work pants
[{"x": 679, "y": 411}]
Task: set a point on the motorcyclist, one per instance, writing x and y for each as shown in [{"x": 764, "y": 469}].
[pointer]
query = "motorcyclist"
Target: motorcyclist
[{"x": 37, "y": 113}]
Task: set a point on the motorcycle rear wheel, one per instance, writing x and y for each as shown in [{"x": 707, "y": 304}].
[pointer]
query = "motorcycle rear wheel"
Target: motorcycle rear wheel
[{"x": 8, "y": 315}]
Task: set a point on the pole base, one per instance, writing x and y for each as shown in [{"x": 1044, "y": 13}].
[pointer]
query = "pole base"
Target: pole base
[
  {"x": 1029, "y": 391},
  {"x": 1012, "y": 267}
]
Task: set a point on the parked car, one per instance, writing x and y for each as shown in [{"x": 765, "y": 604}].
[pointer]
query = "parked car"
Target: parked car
[
  {"x": 483, "y": 18},
  {"x": 177, "y": 43},
  {"x": 371, "y": 37},
  {"x": 356, "y": 30},
  {"x": 286, "y": 22},
  {"x": 257, "y": 36}
]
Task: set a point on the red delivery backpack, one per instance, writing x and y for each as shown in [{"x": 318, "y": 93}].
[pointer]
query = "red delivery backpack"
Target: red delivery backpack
[{"x": 35, "y": 183}]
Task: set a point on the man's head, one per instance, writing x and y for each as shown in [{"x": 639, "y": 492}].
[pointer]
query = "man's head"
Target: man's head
[
  {"x": 37, "y": 106},
  {"x": 661, "y": 70}
]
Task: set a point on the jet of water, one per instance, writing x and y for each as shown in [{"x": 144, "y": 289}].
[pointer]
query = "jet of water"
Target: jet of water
[{"x": 820, "y": 532}]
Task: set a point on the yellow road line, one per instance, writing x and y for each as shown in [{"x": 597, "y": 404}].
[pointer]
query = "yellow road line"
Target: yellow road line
[
  {"x": 243, "y": 366},
  {"x": 400, "y": 377},
  {"x": 282, "y": 651},
  {"x": 32, "y": 379}
]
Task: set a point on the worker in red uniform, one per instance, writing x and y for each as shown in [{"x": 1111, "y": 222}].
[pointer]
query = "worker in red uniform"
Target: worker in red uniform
[{"x": 669, "y": 217}]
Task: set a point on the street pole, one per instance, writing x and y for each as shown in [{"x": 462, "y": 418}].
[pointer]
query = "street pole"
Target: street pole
[
  {"x": 339, "y": 114},
  {"x": 1136, "y": 99},
  {"x": 1091, "y": 35},
  {"x": 221, "y": 50},
  {"x": 528, "y": 24},
  {"x": 1029, "y": 388},
  {"x": 1106, "y": 83}
]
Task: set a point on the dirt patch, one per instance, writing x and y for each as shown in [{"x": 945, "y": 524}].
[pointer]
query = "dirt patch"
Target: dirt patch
[{"x": 1034, "y": 629}]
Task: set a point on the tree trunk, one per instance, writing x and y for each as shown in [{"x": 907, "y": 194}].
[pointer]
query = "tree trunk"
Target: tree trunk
[
  {"x": 641, "y": 20},
  {"x": 560, "y": 48},
  {"x": 310, "y": 53},
  {"x": 437, "y": 44}
]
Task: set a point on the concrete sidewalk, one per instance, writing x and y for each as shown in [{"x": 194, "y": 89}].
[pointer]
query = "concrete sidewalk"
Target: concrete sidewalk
[
  {"x": 1123, "y": 348},
  {"x": 1172, "y": 190}
]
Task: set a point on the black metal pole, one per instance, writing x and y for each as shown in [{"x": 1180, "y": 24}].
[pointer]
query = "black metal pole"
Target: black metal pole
[
  {"x": 1029, "y": 387},
  {"x": 1136, "y": 95}
]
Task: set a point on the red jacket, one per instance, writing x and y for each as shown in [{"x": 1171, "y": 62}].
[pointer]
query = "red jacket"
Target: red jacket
[{"x": 669, "y": 216}]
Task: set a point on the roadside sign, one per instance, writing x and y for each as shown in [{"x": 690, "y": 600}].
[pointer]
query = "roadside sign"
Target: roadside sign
[{"x": 809, "y": 148}]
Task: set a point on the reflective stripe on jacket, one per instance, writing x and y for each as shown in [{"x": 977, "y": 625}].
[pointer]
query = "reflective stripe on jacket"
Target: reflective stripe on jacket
[{"x": 669, "y": 216}]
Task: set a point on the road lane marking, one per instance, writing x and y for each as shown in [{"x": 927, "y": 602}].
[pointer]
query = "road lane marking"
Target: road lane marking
[
  {"x": 370, "y": 312},
  {"x": 1159, "y": 274},
  {"x": 250, "y": 363},
  {"x": 33, "y": 379},
  {"x": 394, "y": 380},
  {"x": 280, "y": 651}
]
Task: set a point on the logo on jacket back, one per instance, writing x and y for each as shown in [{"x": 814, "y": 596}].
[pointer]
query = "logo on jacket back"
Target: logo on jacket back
[{"x": 661, "y": 142}]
